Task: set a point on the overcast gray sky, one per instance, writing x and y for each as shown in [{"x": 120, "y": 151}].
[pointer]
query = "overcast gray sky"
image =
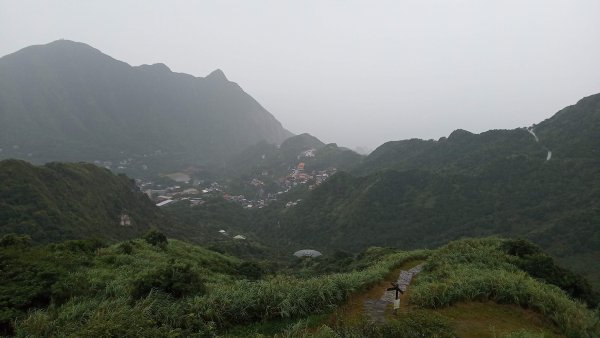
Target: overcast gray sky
[{"x": 358, "y": 73}]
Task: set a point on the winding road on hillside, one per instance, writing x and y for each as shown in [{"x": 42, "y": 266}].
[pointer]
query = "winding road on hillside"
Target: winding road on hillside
[{"x": 537, "y": 140}]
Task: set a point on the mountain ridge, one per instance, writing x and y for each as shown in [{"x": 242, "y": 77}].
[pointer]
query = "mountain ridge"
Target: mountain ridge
[
  {"x": 69, "y": 101},
  {"x": 416, "y": 193}
]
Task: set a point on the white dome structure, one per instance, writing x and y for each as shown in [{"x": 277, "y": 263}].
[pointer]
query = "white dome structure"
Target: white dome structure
[{"x": 307, "y": 253}]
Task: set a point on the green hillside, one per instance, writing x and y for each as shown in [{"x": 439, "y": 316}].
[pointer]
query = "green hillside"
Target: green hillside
[
  {"x": 84, "y": 288},
  {"x": 159, "y": 287},
  {"x": 61, "y": 201},
  {"x": 66, "y": 101},
  {"x": 472, "y": 288},
  {"x": 462, "y": 152},
  {"x": 572, "y": 133},
  {"x": 424, "y": 193}
]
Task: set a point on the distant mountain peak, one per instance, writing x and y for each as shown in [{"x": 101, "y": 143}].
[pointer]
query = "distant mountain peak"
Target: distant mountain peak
[
  {"x": 66, "y": 42},
  {"x": 96, "y": 106},
  {"x": 458, "y": 133},
  {"x": 160, "y": 67},
  {"x": 217, "y": 75},
  {"x": 70, "y": 45}
]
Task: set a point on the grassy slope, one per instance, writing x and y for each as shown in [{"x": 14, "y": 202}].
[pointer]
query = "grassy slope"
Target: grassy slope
[
  {"x": 469, "y": 288},
  {"x": 468, "y": 319},
  {"x": 94, "y": 292},
  {"x": 482, "y": 270},
  {"x": 80, "y": 278}
]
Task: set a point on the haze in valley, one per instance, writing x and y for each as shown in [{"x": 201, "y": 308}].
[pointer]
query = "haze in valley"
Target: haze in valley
[{"x": 353, "y": 72}]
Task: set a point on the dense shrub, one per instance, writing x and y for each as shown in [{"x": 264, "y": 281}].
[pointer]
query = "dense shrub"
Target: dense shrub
[
  {"x": 79, "y": 246},
  {"x": 34, "y": 277},
  {"x": 15, "y": 240},
  {"x": 156, "y": 238},
  {"x": 70, "y": 286},
  {"x": 125, "y": 248},
  {"x": 520, "y": 247},
  {"x": 531, "y": 259},
  {"x": 250, "y": 270},
  {"x": 177, "y": 279}
]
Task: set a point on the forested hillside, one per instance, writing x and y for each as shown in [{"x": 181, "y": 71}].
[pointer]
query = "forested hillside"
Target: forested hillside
[
  {"x": 424, "y": 193},
  {"x": 61, "y": 201}
]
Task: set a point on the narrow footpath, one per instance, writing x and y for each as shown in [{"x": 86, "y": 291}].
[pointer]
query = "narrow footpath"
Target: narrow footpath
[{"x": 375, "y": 309}]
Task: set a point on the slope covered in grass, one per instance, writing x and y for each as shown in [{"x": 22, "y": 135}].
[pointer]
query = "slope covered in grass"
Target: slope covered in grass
[
  {"x": 492, "y": 269},
  {"x": 470, "y": 288},
  {"x": 84, "y": 288},
  {"x": 71, "y": 280}
]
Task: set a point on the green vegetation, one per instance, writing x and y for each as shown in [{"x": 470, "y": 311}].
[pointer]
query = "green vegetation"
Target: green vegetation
[
  {"x": 156, "y": 238},
  {"x": 61, "y": 201},
  {"x": 85, "y": 288},
  {"x": 469, "y": 288},
  {"x": 284, "y": 296},
  {"x": 481, "y": 270},
  {"x": 516, "y": 197},
  {"x": 571, "y": 134},
  {"x": 131, "y": 280},
  {"x": 35, "y": 277},
  {"x": 411, "y": 325},
  {"x": 531, "y": 259}
]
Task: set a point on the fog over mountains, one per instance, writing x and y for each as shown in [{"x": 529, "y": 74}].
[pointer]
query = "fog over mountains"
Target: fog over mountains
[
  {"x": 200, "y": 238},
  {"x": 68, "y": 101}
]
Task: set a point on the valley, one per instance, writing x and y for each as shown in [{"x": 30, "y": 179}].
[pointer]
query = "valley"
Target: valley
[{"x": 138, "y": 201}]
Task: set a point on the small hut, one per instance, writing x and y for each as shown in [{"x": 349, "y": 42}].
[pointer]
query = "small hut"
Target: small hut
[{"x": 125, "y": 220}]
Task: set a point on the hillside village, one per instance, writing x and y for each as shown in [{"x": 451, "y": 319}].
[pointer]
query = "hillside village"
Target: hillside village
[{"x": 187, "y": 188}]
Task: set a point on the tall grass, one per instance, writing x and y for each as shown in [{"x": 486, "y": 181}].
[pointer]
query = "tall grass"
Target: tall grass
[
  {"x": 110, "y": 311},
  {"x": 479, "y": 270},
  {"x": 282, "y": 296}
]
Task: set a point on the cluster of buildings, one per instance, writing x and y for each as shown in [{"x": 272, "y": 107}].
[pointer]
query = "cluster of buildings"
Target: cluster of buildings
[
  {"x": 246, "y": 203},
  {"x": 185, "y": 188},
  {"x": 237, "y": 237},
  {"x": 298, "y": 175},
  {"x": 163, "y": 196}
]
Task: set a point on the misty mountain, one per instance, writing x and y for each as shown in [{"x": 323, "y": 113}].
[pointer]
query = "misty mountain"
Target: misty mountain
[
  {"x": 572, "y": 133},
  {"x": 419, "y": 193},
  {"x": 271, "y": 164},
  {"x": 300, "y": 148},
  {"x": 68, "y": 101}
]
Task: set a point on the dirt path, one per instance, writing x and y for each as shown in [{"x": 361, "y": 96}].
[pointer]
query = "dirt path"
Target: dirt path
[{"x": 375, "y": 309}]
